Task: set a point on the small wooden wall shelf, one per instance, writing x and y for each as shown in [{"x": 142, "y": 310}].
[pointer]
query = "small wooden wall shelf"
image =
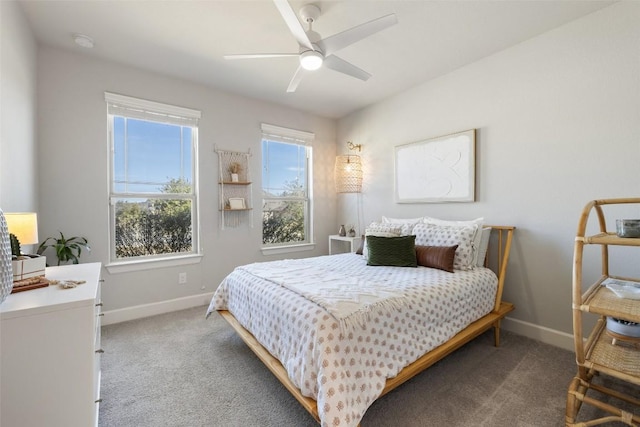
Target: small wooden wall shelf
[{"x": 234, "y": 189}]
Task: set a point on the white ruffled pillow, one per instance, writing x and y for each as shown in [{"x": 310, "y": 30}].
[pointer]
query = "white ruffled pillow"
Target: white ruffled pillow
[{"x": 450, "y": 235}]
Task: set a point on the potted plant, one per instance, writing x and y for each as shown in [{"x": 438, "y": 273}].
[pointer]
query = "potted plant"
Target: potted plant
[
  {"x": 66, "y": 249},
  {"x": 234, "y": 169}
]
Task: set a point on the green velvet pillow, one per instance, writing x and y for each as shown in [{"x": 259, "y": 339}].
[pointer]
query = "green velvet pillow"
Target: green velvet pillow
[{"x": 392, "y": 251}]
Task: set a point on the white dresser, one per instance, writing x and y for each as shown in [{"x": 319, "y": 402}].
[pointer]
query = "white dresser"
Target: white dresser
[{"x": 50, "y": 352}]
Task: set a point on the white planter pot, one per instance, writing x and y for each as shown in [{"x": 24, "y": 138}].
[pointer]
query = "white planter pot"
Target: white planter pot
[{"x": 27, "y": 267}]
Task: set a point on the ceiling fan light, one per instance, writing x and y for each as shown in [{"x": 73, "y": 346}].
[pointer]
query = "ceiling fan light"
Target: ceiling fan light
[{"x": 311, "y": 60}]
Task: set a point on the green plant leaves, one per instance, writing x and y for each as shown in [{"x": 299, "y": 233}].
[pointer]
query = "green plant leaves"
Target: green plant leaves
[{"x": 66, "y": 249}]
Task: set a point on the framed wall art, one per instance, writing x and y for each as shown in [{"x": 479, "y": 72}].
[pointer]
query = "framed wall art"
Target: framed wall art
[
  {"x": 436, "y": 170},
  {"x": 236, "y": 203}
]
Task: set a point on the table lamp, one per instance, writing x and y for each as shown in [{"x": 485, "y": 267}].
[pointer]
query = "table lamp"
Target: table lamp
[{"x": 23, "y": 226}]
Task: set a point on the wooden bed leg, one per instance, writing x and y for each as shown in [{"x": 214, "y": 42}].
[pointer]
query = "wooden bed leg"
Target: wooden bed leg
[{"x": 496, "y": 333}]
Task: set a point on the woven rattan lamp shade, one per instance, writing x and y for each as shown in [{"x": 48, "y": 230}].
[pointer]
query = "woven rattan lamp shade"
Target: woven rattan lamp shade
[{"x": 348, "y": 174}]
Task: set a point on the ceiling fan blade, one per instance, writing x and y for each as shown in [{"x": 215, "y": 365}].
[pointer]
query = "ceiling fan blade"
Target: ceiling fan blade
[
  {"x": 292, "y": 22},
  {"x": 341, "y": 40},
  {"x": 295, "y": 81},
  {"x": 260, "y": 55},
  {"x": 342, "y": 66}
]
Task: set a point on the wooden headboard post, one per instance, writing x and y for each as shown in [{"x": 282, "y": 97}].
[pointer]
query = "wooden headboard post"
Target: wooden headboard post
[{"x": 504, "y": 238}]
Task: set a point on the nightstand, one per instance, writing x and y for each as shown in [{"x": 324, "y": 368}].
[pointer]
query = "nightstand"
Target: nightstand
[{"x": 354, "y": 242}]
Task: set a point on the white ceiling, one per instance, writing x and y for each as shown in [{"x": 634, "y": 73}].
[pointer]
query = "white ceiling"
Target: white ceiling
[{"x": 187, "y": 39}]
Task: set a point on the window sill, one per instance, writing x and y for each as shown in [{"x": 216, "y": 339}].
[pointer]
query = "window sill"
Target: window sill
[
  {"x": 277, "y": 250},
  {"x": 148, "y": 264}
]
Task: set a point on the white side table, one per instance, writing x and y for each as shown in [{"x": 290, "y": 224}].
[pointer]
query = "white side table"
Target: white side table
[{"x": 354, "y": 242}]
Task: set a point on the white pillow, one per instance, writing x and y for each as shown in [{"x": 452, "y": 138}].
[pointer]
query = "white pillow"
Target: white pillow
[
  {"x": 407, "y": 224},
  {"x": 383, "y": 229},
  {"x": 448, "y": 235},
  {"x": 380, "y": 230},
  {"x": 386, "y": 220},
  {"x": 476, "y": 238},
  {"x": 484, "y": 246},
  {"x": 431, "y": 220}
]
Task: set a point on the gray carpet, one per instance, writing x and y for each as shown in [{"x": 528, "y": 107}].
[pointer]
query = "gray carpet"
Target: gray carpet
[{"x": 180, "y": 369}]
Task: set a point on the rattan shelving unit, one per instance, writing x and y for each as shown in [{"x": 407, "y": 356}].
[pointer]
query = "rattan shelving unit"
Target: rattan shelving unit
[{"x": 602, "y": 352}]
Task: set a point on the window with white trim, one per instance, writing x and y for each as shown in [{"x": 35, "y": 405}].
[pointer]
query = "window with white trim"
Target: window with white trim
[
  {"x": 286, "y": 186},
  {"x": 153, "y": 188}
]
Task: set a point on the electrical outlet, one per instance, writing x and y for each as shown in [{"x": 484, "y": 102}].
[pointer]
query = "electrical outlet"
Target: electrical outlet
[{"x": 182, "y": 278}]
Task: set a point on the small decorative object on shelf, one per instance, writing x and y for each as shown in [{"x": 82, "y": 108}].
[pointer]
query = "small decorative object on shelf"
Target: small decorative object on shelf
[
  {"x": 236, "y": 203},
  {"x": 628, "y": 227},
  {"x": 623, "y": 327},
  {"x": 342, "y": 231},
  {"x": 234, "y": 169},
  {"x": 352, "y": 232}
]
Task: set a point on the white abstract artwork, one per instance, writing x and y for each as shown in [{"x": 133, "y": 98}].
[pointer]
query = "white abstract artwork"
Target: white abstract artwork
[{"x": 436, "y": 170}]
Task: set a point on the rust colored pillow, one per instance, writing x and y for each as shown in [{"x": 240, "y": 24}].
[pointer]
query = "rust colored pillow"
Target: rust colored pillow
[{"x": 440, "y": 257}]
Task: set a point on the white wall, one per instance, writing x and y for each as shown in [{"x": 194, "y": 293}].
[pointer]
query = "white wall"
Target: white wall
[
  {"x": 558, "y": 121},
  {"x": 18, "y": 162},
  {"x": 72, "y": 125}
]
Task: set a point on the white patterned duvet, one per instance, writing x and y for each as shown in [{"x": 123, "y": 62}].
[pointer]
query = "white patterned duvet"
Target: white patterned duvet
[{"x": 341, "y": 353}]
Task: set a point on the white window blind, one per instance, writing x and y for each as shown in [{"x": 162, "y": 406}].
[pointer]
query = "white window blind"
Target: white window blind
[
  {"x": 280, "y": 134},
  {"x": 126, "y": 106}
]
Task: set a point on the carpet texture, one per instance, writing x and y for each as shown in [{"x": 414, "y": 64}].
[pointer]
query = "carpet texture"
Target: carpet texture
[{"x": 180, "y": 369}]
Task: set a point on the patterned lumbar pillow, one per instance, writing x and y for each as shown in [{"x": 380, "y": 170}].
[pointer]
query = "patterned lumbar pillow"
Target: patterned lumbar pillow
[
  {"x": 392, "y": 251},
  {"x": 440, "y": 257}
]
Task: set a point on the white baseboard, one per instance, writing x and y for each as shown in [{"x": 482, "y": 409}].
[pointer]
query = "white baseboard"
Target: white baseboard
[
  {"x": 145, "y": 310},
  {"x": 540, "y": 333}
]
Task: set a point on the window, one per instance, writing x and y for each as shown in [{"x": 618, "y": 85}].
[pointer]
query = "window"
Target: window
[
  {"x": 153, "y": 179},
  {"x": 286, "y": 186}
]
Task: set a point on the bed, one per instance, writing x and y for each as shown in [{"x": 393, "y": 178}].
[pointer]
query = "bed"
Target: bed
[{"x": 357, "y": 336}]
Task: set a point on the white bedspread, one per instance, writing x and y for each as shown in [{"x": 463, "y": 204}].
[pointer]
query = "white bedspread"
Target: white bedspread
[{"x": 340, "y": 351}]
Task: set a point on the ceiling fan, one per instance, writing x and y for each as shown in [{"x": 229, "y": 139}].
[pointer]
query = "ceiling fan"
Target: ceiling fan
[{"x": 315, "y": 51}]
